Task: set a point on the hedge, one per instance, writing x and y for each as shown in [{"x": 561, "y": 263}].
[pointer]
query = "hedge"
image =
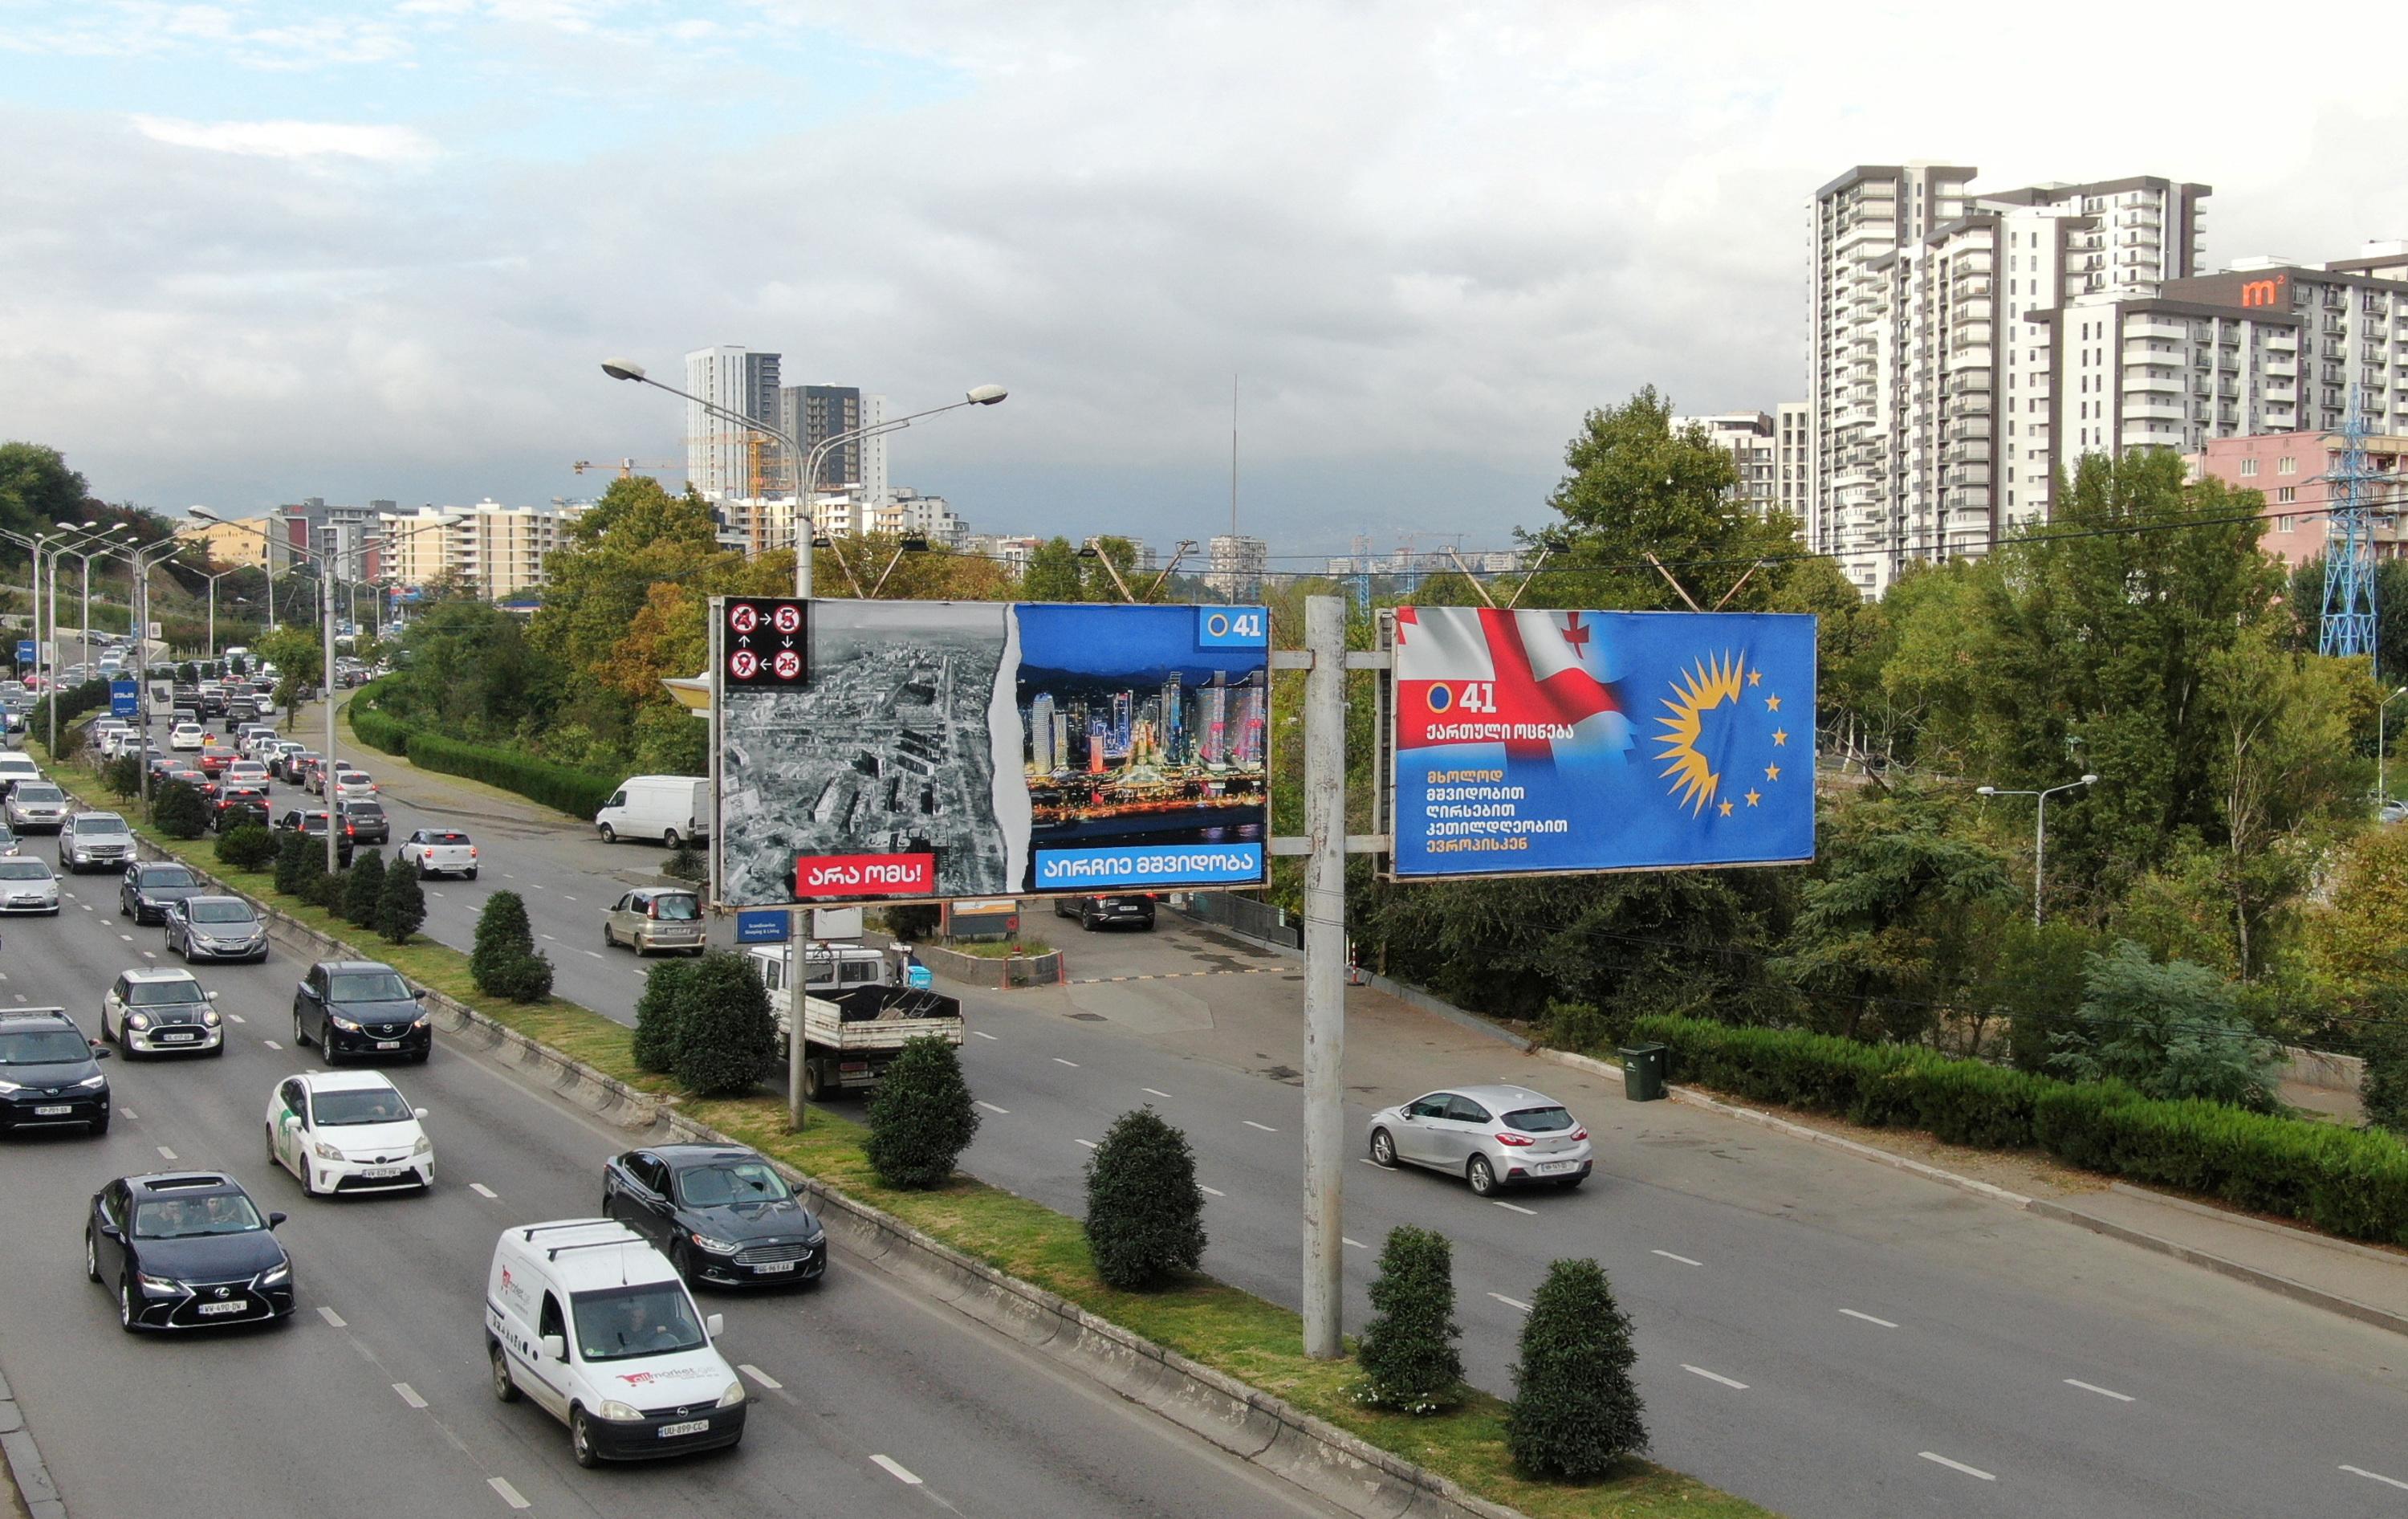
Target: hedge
[
  {"x": 2345, "y": 1181},
  {"x": 579, "y": 792}
]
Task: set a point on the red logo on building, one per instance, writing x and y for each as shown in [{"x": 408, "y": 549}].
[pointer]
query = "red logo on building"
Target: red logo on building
[{"x": 2263, "y": 291}]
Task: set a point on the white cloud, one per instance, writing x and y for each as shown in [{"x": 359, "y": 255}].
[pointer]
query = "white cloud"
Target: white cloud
[{"x": 292, "y": 139}]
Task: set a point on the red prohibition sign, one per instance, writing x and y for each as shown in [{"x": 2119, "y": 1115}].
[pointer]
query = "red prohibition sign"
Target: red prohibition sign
[
  {"x": 788, "y": 619},
  {"x": 744, "y": 663},
  {"x": 744, "y": 619},
  {"x": 788, "y": 664}
]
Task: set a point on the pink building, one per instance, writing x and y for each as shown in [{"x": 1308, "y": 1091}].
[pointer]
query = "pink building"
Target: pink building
[{"x": 2291, "y": 470}]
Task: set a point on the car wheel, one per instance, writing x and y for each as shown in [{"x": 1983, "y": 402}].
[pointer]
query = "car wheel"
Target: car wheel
[
  {"x": 1568, "y": 1183},
  {"x": 419, "y": 1058},
  {"x": 1383, "y": 1150},
  {"x": 580, "y": 1440},
  {"x": 670, "y": 839},
  {"x": 90, "y": 1257},
  {"x": 1481, "y": 1176},
  {"x": 309, "y": 1188},
  {"x": 125, "y": 1303},
  {"x": 813, "y": 1080},
  {"x": 608, "y": 836},
  {"x": 681, "y": 1262},
  {"x": 300, "y": 1035},
  {"x": 608, "y": 942},
  {"x": 273, "y": 1159},
  {"x": 122, "y": 910},
  {"x": 472, "y": 875},
  {"x": 504, "y": 1390}
]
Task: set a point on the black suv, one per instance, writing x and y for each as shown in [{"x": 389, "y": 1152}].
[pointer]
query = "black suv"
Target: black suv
[
  {"x": 1092, "y": 912},
  {"x": 724, "y": 1214},
  {"x": 364, "y": 817},
  {"x": 312, "y": 820},
  {"x": 361, "y": 1007},
  {"x": 50, "y": 1073},
  {"x": 186, "y": 1250}
]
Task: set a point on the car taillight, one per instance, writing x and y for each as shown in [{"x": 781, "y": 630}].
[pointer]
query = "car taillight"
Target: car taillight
[
  {"x": 1579, "y": 1135},
  {"x": 472, "y": 851},
  {"x": 1516, "y": 1139},
  {"x": 651, "y": 909},
  {"x": 349, "y": 831}
]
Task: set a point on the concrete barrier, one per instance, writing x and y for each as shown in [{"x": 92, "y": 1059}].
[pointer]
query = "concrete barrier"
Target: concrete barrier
[{"x": 1003, "y": 975}]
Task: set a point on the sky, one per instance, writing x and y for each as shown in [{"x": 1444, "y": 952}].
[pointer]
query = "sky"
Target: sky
[{"x": 255, "y": 252}]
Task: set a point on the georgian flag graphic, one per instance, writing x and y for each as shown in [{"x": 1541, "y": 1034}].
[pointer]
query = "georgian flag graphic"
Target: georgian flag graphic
[{"x": 1537, "y": 682}]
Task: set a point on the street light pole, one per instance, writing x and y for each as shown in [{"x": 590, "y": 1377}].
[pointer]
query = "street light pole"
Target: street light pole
[
  {"x": 2382, "y": 791},
  {"x": 2040, "y": 829}
]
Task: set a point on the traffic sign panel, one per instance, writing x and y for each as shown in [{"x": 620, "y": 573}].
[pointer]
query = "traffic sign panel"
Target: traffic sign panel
[{"x": 765, "y": 641}]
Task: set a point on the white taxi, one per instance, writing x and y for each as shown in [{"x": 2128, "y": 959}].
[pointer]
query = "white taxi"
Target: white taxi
[{"x": 347, "y": 1131}]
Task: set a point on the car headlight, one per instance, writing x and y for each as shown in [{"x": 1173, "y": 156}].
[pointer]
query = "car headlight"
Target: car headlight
[
  {"x": 617, "y": 1413},
  {"x": 324, "y": 1150},
  {"x": 422, "y": 1020},
  {"x": 717, "y": 1247},
  {"x": 11, "y": 1086},
  {"x": 277, "y": 1276},
  {"x": 91, "y": 1081},
  {"x": 159, "y": 1287},
  {"x": 346, "y": 1024},
  {"x": 423, "y": 1147},
  {"x": 209, "y": 1017},
  {"x": 137, "y": 1019},
  {"x": 733, "y": 1396}
]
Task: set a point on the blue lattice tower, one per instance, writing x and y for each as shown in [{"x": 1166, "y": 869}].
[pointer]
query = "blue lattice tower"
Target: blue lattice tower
[{"x": 2349, "y": 548}]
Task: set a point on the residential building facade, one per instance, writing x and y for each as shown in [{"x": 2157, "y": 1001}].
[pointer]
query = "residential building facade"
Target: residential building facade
[
  {"x": 1752, "y": 440},
  {"x": 812, "y": 414},
  {"x": 246, "y": 543},
  {"x": 719, "y": 454},
  {"x": 489, "y": 549},
  {"x": 2293, "y": 471},
  {"x": 1237, "y": 564}
]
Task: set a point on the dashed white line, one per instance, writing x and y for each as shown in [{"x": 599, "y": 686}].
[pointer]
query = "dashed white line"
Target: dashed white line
[
  {"x": 1669, "y": 1257},
  {"x": 1526, "y": 1213},
  {"x": 1154, "y": 1092},
  {"x": 1365, "y": 1160},
  {"x": 1059, "y": 1061},
  {"x": 555, "y": 938},
  {"x": 760, "y": 1376},
  {"x": 597, "y": 953},
  {"x": 481, "y": 1190},
  {"x": 131, "y": 1116},
  {"x": 1714, "y": 1376},
  {"x": 982, "y": 1033},
  {"x": 1956, "y": 1465},
  {"x": 1265, "y": 1128},
  {"x": 271, "y": 1044},
  {"x": 567, "y": 897},
  {"x": 898, "y": 1470},
  {"x": 507, "y": 876},
  {"x": 149, "y": 954},
  {"x": 128, "y": 938},
  {"x": 434, "y": 894},
  {"x": 237, "y": 1018},
  {"x": 330, "y": 1316},
  {"x": 166, "y": 1153},
  {"x": 20, "y": 996},
  {"x": 1354, "y": 1244},
  {"x": 2103, "y": 1392},
  {"x": 992, "y": 1108},
  {"x": 509, "y": 1494},
  {"x": 1884, "y": 1323},
  {"x": 409, "y": 1395},
  {"x": 1211, "y": 1192},
  {"x": 2377, "y": 1476},
  {"x": 1089, "y": 1143},
  {"x": 534, "y": 885},
  {"x": 1510, "y": 1302},
  {"x": 86, "y": 906}
]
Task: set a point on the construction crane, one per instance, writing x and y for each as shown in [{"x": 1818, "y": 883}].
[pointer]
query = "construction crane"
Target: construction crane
[{"x": 625, "y": 466}]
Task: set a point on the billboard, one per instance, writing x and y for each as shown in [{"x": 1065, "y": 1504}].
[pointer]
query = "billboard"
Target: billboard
[
  {"x": 988, "y": 750},
  {"x": 1528, "y": 742}
]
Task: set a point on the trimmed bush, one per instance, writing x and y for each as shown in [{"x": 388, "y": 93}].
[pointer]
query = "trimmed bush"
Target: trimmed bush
[
  {"x": 726, "y": 1037},
  {"x": 123, "y": 776},
  {"x": 659, "y": 1029},
  {"x": 401, "y": 907},
  {"x": 298, "y": 857},
  {"x": 2385, "y": 1093},
  {"x": 578, "y": 793},
  {"x": 330, "y": 890},
  {"x": 521, "y": 975},
  {"x": 179, "y": 810},
  {"x": 1408, "y": 1351},
  {"x": 921, "y": 1119},
  {"x": 503, "y": 935},
  {"x": 1145, "y": 1213},
  {"x": 72, "y": 702},
  {"x": 1576, "y": 1413},
  {"x": 687, "y": 864},
  {"x": 364, "y": 888},
  {"x": 250, "y": 847}
]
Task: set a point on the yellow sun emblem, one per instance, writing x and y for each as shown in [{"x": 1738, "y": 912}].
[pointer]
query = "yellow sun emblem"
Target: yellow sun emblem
[{"x": 1707, "y": 686}]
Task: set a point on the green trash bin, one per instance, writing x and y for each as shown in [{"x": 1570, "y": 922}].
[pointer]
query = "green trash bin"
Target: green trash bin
[{"x": 1643, "y": 1072}]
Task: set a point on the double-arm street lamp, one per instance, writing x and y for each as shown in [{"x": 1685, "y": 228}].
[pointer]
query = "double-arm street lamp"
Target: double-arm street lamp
[
  {"x": 144, "y": 559},
  {"x": 2039, "y": 834},
  {"x": 55, "y": 544},
  {"x": 101, "y": 544}
]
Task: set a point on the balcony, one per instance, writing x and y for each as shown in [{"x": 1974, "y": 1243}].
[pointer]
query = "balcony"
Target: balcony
[
  {"x": 1973, "y": 287},
  {"x": 2164, "y": 381},
  {"x": 2282, "y": 339},
  {"x": 2142, "y": 409},
  {"x": 1973, "y": 380},
  {"x": 1970, "y": 428},
  {"x": 1968, "y": 498},
  {"x": 2282, "y": 368},
  {"x": 1971, "y": 335},
  {"x": 2160, "y": 328}
]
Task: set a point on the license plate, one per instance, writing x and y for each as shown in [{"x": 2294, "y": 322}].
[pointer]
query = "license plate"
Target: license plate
[
  {"x": 59, "y": 1111},
  {"x": 388, "y": 1044},
  {"x": 1556, "y": 1167},
  {"x": 692, "y": 1427},
  {"x": 174, "y": 1038},
  {"x": 226, "y": 1308},
  {"x": 775, "y": 1268},
  {"x": 382, "y": 1173}
]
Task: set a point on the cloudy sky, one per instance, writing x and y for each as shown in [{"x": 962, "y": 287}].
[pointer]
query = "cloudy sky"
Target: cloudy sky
[{"x": 252, "y": 251}]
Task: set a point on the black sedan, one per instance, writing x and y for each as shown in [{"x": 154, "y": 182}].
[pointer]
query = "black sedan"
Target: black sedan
[
  {"x": 149, "y": 889},
  {"x": 186, "y": 1250},
  {"x": 360, "y": 1007},
  {"x": 721, "y": 1213}
]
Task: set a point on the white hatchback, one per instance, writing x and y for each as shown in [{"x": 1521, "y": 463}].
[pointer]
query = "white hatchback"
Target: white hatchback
[
  {"x": 186, "y": 735},
  {"x": 347, "y": 1131}
]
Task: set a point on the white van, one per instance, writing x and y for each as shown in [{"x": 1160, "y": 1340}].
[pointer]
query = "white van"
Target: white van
[
  {"x": 673, "y": 808},
  {"x": 585, "y": 1317}
]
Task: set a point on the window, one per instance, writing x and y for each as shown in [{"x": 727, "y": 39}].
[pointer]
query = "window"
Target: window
[
  {"x": 2287, "y": 495},
  {"x": 2248, "y": 468},
  {"x": 2286, "y": 465},
  {"x": 2283, "y": 523}
]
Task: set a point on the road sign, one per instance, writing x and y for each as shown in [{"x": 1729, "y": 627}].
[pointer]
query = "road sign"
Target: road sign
[
  {"x": 27, "y": 652},
  {"x": 124, "y": 698},
  {"x": 763, "y": 925},
  {"x": 765, "y": 641}
]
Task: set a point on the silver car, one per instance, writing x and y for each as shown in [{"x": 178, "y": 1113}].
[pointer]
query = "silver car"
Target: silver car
[
  {"x": 100, "y": 840},
  {"x": 1493, "y": 1136},
  {"x": 655, "y": 918},
  {"x": 36, "y": 805},
  {"x": 26, "y": 885}
]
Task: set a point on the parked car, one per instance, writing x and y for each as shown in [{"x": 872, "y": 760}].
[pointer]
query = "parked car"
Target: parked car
[
  {"x": 1492, "y": 1137},
  {"x": 36, "y": 806},
  {"x": 349, "y": 1131},
  {"x": 216, "y": 928},
  {"x": 439, "y": 851},
  {"x": 1094, "y": 913},
  {"x": 148, "y": 888},
  {"x": 148, "y": 1012},
  {"x": 96, "y": 841},
  {"x": 360, "y": 1007},
  {"x": 654, "y": 918},
  {"x": 720, "y": 1212},
  {"x": 366, "y": 819},
  {"x": 52, "y": 1074},
  {"x": 186, "y": 1250}
]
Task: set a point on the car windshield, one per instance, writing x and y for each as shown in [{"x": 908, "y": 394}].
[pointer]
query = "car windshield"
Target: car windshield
[
  {"x": 160, "y": 994},
  {"x": 23, "y": 870},
  {"x": 43, "y": 1047},
  {"x": 621, "y": 1323},
  {"x": 44, "y": 792},
  {"x": 729, "y": 1183},
  {"x": 677, "y": 909},
  {"x": 183, "y": 1218},
  {"x": 99, "y": 822},
  {"x": 1538, "y": 1120},
  {"x": 368, "y": 986},
  {"x": 153, "y": 876},
  {"x": 369, "y": 1105},
  {"x": 222, "y": 910}
]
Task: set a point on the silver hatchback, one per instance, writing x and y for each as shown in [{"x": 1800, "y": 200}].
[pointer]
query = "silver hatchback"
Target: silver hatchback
[
  {"x": 652, "y": 918},
  {"x": 1493, "y": 1136}
]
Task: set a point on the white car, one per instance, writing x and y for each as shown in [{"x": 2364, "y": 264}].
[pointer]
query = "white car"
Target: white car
[
  {"x": 354, "y": 785},
  {"x": 439, "y": 851},
  {"x": 28, "y": 885},
  {"x": 150, "y": 1012},
  {"x": 347, "y": 1131},
  {"x": 186, "y": 735}
]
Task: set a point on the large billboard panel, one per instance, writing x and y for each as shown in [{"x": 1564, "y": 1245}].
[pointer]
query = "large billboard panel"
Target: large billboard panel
[
  {"x": 1529, "y": 742},
  {"x": 986, "y": 748}
]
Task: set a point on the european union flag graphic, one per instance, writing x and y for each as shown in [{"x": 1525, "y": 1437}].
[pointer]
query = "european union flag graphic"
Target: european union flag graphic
[{"x": 1533, "y": 741}]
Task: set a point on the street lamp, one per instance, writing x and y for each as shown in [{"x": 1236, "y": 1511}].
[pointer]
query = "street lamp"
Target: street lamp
[
  {"x": 138, "y": 605},
  {"x": 2383, "y": 797},
  {"x": 2040, "y": 835},
  {"x": 99, "y": 545}
]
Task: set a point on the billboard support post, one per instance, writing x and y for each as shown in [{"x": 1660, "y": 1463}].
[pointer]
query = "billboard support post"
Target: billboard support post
[
  {"x": 1325, "y": 973},
  {"x": 798, "y": 920}
]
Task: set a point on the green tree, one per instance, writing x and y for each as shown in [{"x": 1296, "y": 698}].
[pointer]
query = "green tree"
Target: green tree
[
  {"x": 1145, "y": 1212},
  {"x": 2359, "y": 942},
  {"x": 298, "y": 857},
  {"x": 1576, "y": 1413},
  {"x": 1408, "y": 1351},
  {"x": 660, "y": 1012},
  {"x": 401, "y": 906},
  {"x": 727, "y": 1038},
  {"x": 1053, "y": 574},
  {"x": 2385, "y": 1039},
  {"x": 123, "y": 776},
  {"x": 922, "y": 1117},
  {"x": 178, "y": 812},
  {"x": 503, "y": 934},
  {"x": 364, "y": 889},
  {"x": 38, "y": 489},
  {"x": 2169, "y": 1031},
  {"x": 298, "y": 654},
  {"x": 249, "y": 847}
]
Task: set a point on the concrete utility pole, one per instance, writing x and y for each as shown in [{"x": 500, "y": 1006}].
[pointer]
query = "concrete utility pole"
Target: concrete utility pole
[{"x": 1325, "y": 974}]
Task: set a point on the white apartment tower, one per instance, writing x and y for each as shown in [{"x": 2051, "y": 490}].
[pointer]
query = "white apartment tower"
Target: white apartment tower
[
  {"x": 1750, "y": 439},
  {"x": 718, "y": 458}
]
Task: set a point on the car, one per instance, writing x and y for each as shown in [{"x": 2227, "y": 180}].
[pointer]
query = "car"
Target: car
[
  {"x": 16, "y": 768},
  {"x": 146, "y": 888},
  {"x": 721, "y": 1213},
  {"x": 298, "y": 765},
  {"x": 347, "y": 1131},
  {"x": 354, "y": 785},
  {"x": 1094, "y": 913},
  {"x": 178, "y": 770},
  {"x": 366, "y": 819},
  {"x": 246, "y": 772},
  {"x": 361, "y": 1007},
  {"x": 312, "y": 820},
  {"x": 237, "y": 806},
  {"x": 1493, "y": 1136},
  {"x": 214, "y": 758},
  {"x": 654, "y": 918},
  {"x": 36, "y": 806},
  {"x": 186, "y": 735},
  {"x": 216, "y": 928},
  {"x": 186, "y": 1250},
  {"x": 438, "y": 851},
  {"x": 2393, "y": 812},
  {"x": 50, "y": 1073},
  {"x": 9, "y": 842},
  {"x": 254, "y": 740},
  {"x": 313, "y": 774},
  {"x": 148, "y": 1012},
  {"x": 96, "y": 838}
]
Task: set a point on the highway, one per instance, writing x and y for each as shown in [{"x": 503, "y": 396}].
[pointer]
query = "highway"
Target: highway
[
  {"x": 865, "y": 1399},
  {"x": 1821, "y": 1336}
]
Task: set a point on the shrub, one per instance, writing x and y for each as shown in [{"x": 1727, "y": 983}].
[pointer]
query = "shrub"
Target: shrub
[
  {"x": 658, "y": 1011},
  {"x": 1575, "y": 1411},
  {"x": 503, "y": 935},
  {"x": 687, "y": 864},
  {"x": 72, "y": 702},
  {"x": 1145, "y": 1213},
  {"x": 920, "y": 1120},
  {"x": 726, "y": 1037},
  {"x": 1582, "y": 1027},
  {"x": 330, "y": 889},
  {"x": 521, "y": 975},
  {"x": 914, "y": 923},
  {"x": 298, "y": 857},
  {"x": 249, "y": 847},
  {"x": 2172, "y": 1030},
  {"x": 578, "y": 793},
  {"x": 2385, "y": 1091},
  {"x": 1408, "y": 1351},
  {"x": 123, "y": 776},
  {"x": 179, "y": 812},
  {"x": 364, "y": 888},
  {"x": 401, "y": 907}
]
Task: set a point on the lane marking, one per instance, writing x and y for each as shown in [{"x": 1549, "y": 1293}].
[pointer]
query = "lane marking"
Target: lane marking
[
  {"x": 554, "y": 938},
  {"x": 330, "y": 1316},
  {"x": 481, "y": 1190},
  {"x": 2361, "y": 1471},
  {"x": 1155, "y": 1092},
  {"x": 237, "y": 1018},
  {"x": 536, "y": 885},
  {"x": 166, "y": 1153},
  {"x": 434, "y": 894},
  {"x": 509, "y": 1494},
  {"x": 409, "y": 1395},
  {"x": 597, "y": 953},
  {"x": 1365, "y": 1160},
  {"x": 1956, "y": 1465},
  {"x": 1265, "y": 1128},
  {"x": 1669, "y": 1257},
  {"x": 567, "y": 896},
  {"x": 507, "y": 876},
  {"x": 1884, "y": 1323},
  {"x": 1526, "y": 1213},
  {"x": 1211, "y": 1192},
  {"x": 760, "y": 1376},
  {"x": 149, "y": 954},
  {"x": 898, "y": 1470},
  {"x": 271, "y": 1044},
  {"x": 2103, "y": 1392},
  {"x": 1059, "y": 1061},
  {"x": 992, "y": 1108},
  {"x": 1510, "y": 1302},
  {"x": 1355, "y": 1243},
  {"x": 128, "y": 938},
  {"x": 131, "y": 1116},
  {"x": 1714, "y": 1376},
  {"x": 981, "y": 1033},
  {"x": 1089, "y": 1143}
]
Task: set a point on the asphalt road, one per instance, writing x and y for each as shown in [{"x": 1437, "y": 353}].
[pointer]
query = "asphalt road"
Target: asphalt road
[
  {"x": 867, "y": 1399},
  {"x": 1824, "y": 1337}
]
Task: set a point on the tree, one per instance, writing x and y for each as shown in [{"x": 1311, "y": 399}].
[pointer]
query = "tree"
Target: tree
[
  {"x": 1145, "y": 1213},
  {"x": 298, "y": 654},
  {"x": 298, "y": 858},
  {"x": 503, "y": 934},
  {"x": 2169, "y": 1031},
  {"x": 249, "y": 847},
  {"x": 178, "y": 812},
  {"x": 2385, "y": 1039},
  {"x": 1052, "y": 573},
  {"x": 123, "y": 776},
  {"x": 401, "y": 906},
  {"x": 523, "y": 976},
  {"x": 38, "y": 489},
  {"x": 364, "y": 890},
  {"x": 1408, "y": 1351},
  {"x": 727, "y": 1038},
  {"x": 1575, "y": 1411},
  {"x": 2359, "y": 941},
  {"x": 659, "y": 1012},
  {"x": 922, "y": 1117}
]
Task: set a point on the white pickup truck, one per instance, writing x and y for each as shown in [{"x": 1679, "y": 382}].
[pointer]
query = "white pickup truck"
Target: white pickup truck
[{"x": 855, "y": 1015}]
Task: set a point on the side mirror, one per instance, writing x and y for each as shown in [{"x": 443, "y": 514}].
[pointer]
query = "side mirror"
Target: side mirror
[
  {"x": 213, "y": 994},
  {"x": 714, "y": 1324},
  {"x": 418, "y": 994},
  {"x": 555, "y": 1347},
  {"x": 110, "y": 1231},
  {"x": 274, "y": 1219},
  {"x": 101, "y": 1051},
  {"x": 417, "y": 1112}
]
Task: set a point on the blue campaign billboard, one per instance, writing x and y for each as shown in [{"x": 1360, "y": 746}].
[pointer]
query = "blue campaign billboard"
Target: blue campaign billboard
[
  {"x": 1530, "y": 742},
  {"x": 124, "y": 698},
  {"x": 26, "y": 653}
]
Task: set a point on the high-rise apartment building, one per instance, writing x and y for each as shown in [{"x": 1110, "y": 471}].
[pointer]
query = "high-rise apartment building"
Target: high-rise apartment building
[
  {"x": 489, "y": 549},
  {"x": 1750, "y": 439},
  {"x": 1238, "y": 565},
  {"x": 718, "y": 456},
  {"x": 1793, "y": 429},
  {"x": 813, "y": 414}
]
